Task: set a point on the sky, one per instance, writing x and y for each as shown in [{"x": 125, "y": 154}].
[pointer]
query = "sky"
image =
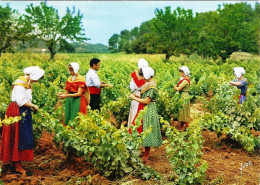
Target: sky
[{"x": 102, "y": 19}]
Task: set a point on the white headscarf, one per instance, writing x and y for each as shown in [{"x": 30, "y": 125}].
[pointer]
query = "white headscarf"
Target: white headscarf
[
  {"x": 142, "y": 63},
  {"x": 75, "y": 67},
  {"x": 239, "y": 71},
  {"x": 148, "y": 72},
  {"x": 185, "y": 69},
  {"x": 34, "y": 72}
]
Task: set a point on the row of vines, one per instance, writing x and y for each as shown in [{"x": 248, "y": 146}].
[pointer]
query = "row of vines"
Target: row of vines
[{"x": 112, "y": 150}]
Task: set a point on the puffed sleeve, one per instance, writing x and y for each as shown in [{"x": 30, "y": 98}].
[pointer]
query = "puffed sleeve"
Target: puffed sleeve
[
  {"x": 19, "y": 95},
  {"x": 151, "y": 93},
  {"x": 132, "y": 85}
]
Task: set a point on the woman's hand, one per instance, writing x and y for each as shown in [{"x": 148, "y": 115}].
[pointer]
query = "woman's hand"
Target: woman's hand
[
  {"x": 110, "y": 85},
  {"x": 35, "y": 108},
  {"x": 174, "y": 87},
  {"x": 62, "y": 96},
  {"x": 132, "y": 96}
]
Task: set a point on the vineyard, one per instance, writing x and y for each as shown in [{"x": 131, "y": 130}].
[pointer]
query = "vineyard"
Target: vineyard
[{"x": 97, "y": 148}]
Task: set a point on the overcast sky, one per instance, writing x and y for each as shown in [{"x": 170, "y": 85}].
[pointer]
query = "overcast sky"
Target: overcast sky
[{"x": 104, "y": 18}]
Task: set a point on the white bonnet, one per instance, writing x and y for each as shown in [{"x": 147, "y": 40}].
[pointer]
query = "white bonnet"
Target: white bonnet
[
  {"x": 34, "y": 72},
  {"x": 239, "y": 71},
  {"x": 185, "y": 69},
  {"x": 142, "y": 63},
  {"x": 148, "y": 72},
  {"x": 75, "y": 67}
]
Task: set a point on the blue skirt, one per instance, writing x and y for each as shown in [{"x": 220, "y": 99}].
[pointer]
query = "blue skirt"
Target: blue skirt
[{"x": 25, "y": 129}]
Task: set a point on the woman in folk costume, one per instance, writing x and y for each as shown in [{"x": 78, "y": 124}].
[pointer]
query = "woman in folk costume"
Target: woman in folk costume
[
  {"x": 183, "y": 87},
  {"x": 17, "y": 138},
  {"x": 240, "y": 82},
  {"x": 135, "y": 86},
  {"x": 148, "y": 98},
  {"x": 76, "y": 92}
]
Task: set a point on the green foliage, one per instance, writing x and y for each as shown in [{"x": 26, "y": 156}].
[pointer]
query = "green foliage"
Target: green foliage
[
  {"x": 14, "y": 28},
  {"x": 232, "y": 28},
  {"x": 173, "y": 31},
  {"x": 114, "y": 152},
  {"x": 52, "y": 29},
  {"x": 184, "y": 153},
  {"x": 229, "y": 117},
  {"x": 4, "y": 99},
  {"x": 113, "y": 43}
]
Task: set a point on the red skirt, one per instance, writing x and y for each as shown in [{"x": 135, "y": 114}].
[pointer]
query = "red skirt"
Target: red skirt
[
  {"x": 83, "y": 105},
  {"x": 10, "y": 139}
]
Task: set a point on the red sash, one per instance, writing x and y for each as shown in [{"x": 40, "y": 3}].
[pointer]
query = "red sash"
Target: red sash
[
  {"x": 138, "y": 82},
  {"x": 182, "y": 81},
  {"x": 94, "y": 90}
]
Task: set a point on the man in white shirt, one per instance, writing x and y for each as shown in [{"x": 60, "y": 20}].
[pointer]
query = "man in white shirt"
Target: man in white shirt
[{"x": 94, "y": 84}]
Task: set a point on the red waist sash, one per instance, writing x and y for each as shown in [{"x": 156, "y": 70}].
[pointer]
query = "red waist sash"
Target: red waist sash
[{"x": 94, "y": 90}]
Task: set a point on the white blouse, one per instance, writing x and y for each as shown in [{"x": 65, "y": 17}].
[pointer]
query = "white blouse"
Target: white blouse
[{"x": 21, "y": 95}]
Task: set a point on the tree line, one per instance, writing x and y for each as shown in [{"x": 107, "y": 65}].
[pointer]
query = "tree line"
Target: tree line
[{"x": 233, "y": 27}]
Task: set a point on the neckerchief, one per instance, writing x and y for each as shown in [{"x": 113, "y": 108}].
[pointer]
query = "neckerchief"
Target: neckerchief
[
  {"x": 77, "y": 79},
  {"x": 147, "y": 86},
  {"x": 26, "y": 84}
]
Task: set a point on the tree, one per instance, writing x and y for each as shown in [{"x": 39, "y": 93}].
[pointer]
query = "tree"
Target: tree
[
  {"x": 143, "y": 41},
  {"x": 124, "y": 43},
  {"x": 14, "y": 29},
  {"x": 231, "y": 28},
  {"x": 113, "y": 43},
  {"x": 206, "y": 34},
  {"x": 237, "y": 29},
  {"x": 173, "y": 31},
  {"x": 49, "y": 27}
]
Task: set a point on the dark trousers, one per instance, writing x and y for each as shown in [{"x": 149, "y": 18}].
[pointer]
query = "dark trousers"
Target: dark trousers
[{"x": 94, "y": 101}]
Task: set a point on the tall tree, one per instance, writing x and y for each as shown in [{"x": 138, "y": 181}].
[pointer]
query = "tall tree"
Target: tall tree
[
  {"x": 143, "y": 41},
  {"x": 13, "y": 28},
  {"x": 206, "y": 34},
  {"x": 124, "y": 43},
  {"x": 49, "y": 27},
  {"x": 173, "y": 31},
  {"x": 113, "y": 43}
]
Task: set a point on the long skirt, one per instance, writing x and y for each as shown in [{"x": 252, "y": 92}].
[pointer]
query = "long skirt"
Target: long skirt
[
  {"x": 17, "y": 138},
  {"x": 184, "y": 113},
  {"x": 151, "y": 119},
  {"x": 73, "y": 106},
  {"x": 132, "y": 113}
]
